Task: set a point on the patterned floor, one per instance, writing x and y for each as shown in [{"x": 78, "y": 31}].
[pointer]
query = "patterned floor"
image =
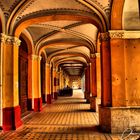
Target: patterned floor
[{"x": 68, "y": 118}]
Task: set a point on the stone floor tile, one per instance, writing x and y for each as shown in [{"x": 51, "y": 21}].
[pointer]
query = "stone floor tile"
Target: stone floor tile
[{"x": 68, "y": 118}]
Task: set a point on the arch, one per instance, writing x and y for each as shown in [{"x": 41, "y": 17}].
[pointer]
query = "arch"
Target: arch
[
  {"x": 2, "y": 22},
  {"x": 116, "y": 13},
  {"x": 53, "y": 15},
  {"x": 64, "y": 60},
  {"x": 57, "y": 31},
  {"x": 27, "y": 38},
  {"x": 98, "y": 10},
  {"x": 72, "y": 53},
  {"x": 65, "y": 41}
]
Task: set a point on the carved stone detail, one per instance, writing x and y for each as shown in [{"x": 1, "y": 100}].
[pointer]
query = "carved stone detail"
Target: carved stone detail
[
  {"x": 104, "y": 36},
  {"x": 122, "y": 34},
  {"x": 93, "y": 55},
  {"x": 10, "y": 40},
  {"x": 116, "y": 34},
  {"x": 97, "y": 54}
]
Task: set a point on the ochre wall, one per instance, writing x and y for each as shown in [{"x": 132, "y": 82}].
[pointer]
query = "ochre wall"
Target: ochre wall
[
  {"x": 118, "y": 72},
  {"x": 132, "y": 64},
  {"x": 125, "y": 62}
]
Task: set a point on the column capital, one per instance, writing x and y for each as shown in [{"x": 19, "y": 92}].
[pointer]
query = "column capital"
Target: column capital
[
  {"x": 97, "y": 54},
  {"x": 36, "y": 57},
  {"x": 104, "y": 36},
  {"x": 47, "y": 64},
  {"x": 54, "y": 69},
  {"x": 92, "y": 56},
  {"x": 10, "y": 40}
]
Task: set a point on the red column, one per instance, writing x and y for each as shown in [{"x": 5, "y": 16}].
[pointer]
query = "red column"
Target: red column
[
  {"x": 93, "y": 76},
  {"x": 88, "y": 83},
  {"x": 85, "y": 82},
  {"x": 106, "y": 99},
  {"x": 48, "y": 81}
]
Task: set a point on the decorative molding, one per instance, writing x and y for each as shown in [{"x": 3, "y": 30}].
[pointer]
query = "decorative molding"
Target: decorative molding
[
  {"x": 56, "y": 11},
  {"x": 122, "y": 34},
  {"x": 10, "y": 40},
  {"x": 131, "y": 34},
  {"x": 8, "y": 9},
  {"x": 104, "y": 36},
  {"x": 116, "y": 34},
  {"x": 93, "y": 55}
]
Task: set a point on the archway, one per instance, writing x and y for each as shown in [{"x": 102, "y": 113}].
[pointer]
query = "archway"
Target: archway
[{"x": 23, "y": 76}]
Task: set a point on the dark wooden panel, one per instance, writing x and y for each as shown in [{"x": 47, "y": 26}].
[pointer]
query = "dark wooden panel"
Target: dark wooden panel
[{"x": 23, "y": 83}]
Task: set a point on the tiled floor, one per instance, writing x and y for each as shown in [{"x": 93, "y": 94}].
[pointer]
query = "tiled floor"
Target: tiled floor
[{"x": 68, "y": 118}]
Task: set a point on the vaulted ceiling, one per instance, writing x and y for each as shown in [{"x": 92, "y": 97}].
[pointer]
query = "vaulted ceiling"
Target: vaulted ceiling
[{"x": 65, "y": 30}]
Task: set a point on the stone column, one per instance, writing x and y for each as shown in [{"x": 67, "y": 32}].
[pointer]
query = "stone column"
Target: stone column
[
  {"x": 48, "y": 86},
  {"x": 106, "y": 99},
  {"x": 88, "y": 83},
  {"x": 10, "y": 96},
  {"x": 98, "y": 79},
  {"x": 30, "y": 103},
  {"x": 36, "y": 89},
  {"x": 60, "y": 79},
  {"x": 93, "y": 84},
  {"x": 85, "y": 92},
  {"x": 56, "y": 84}
]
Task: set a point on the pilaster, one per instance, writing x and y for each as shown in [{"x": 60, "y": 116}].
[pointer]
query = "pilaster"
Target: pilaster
[
  {"x": 105, "y": 70},
  {"x": 93, "y": 84}
]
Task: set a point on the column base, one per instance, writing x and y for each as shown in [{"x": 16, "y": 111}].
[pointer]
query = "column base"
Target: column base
[
  {"x": 55, "y": 95},
  {"x": 49, "y": 99},
  {"x": 11, "y": 118},
  {"x": 117, "y": 119},
  {"x": 37, "y": 104},
  {"x": 93, "y": 104}
]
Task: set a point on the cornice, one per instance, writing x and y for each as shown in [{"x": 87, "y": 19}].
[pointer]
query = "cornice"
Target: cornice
[
  {"x": 104, "y": 36},
  {"x": 123, "y": 34}
]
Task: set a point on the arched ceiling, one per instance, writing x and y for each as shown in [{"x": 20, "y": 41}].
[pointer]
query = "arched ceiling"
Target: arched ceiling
[{"x": 65, "y": 29}]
